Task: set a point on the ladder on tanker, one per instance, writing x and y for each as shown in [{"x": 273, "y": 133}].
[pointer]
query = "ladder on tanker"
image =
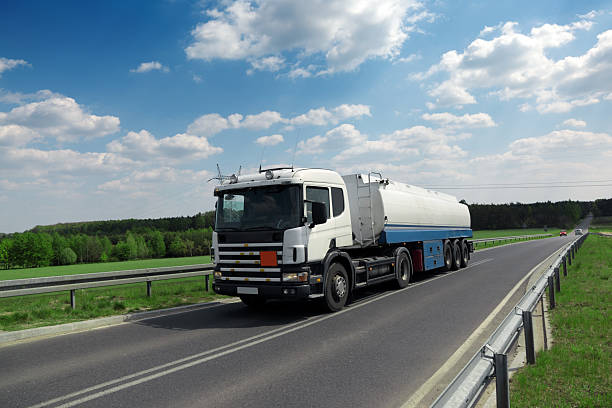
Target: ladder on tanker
[{"x": 364, "y": 197}]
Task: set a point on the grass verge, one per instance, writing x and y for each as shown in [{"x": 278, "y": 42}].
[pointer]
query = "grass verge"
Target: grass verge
[
  {"x": 601, "y": 224},
  {"x": 27, "y": 312},
  {"x": 508, "y": 233},
  {"x": 577, "y": 370},
  {"x": 100, "y": 267}
]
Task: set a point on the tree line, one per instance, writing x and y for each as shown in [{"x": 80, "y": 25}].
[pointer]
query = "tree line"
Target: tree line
[
  {"x": 121, "y": 240},
  {"x": 35, "y": 249}
]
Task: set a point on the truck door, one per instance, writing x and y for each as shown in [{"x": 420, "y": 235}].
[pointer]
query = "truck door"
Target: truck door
[{"x": 321, "y": 235}]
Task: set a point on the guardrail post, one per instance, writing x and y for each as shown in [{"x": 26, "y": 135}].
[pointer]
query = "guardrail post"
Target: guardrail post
[
  {"x": 206, "y": 279},
  {"x": 149, "y": 288},
  {"x": 569, "y": 257},
  {"x": 573, "y": 252},
  {"x": 543, "y": 323},
  {"x": 72, "y": 299},
  {"x": 551, "y": 292},
  {"x": 557, "y": 280},
  {"x": 529, "y": 346},
  {"x": 564, "y": 265},
  {"x": 502, "y": 388}
]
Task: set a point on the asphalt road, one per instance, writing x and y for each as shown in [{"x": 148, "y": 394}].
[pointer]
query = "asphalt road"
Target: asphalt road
[{"x": 375, "y": 353}]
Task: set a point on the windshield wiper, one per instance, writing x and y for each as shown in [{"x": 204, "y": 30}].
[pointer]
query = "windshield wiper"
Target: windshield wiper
[{"x": 228, "y": 229}]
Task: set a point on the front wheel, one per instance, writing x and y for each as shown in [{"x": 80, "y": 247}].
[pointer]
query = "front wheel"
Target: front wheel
[{"x": 336, "y": 287}]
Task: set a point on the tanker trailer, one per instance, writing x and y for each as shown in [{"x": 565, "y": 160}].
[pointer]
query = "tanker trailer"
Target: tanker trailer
[{"x": 311, "y": 234}]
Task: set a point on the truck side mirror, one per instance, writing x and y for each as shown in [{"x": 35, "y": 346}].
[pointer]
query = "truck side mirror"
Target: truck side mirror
[{"x": 319, "y": 213}]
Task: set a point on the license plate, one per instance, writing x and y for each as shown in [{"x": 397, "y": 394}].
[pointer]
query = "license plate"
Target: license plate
[{"x": 247, "y": 291}]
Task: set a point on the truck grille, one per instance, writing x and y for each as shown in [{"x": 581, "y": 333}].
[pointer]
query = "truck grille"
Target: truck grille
[{"x": 242, "y": 262}]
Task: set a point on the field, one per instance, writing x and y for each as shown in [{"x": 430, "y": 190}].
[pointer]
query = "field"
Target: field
[
  {"x": 601, "y": 224},
  {"x": 100, "y": 267},
  {"x": 575, "y": 372},
  {"x": 512, "y": 232}
]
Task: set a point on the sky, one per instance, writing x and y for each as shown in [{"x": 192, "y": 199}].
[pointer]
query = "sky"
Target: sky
[{"x": 115, "y": 109}]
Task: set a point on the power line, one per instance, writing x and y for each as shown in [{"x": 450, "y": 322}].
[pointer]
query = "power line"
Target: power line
[
  {"x": 519, "y": 184},
  {"x": 519, "y": 187}
]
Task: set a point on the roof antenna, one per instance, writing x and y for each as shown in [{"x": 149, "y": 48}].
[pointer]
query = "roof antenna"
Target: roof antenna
[
  {"x": 220, "y": 175},
  {"x": 263, "y": 150},
  {"x": 297, "y": 139}
]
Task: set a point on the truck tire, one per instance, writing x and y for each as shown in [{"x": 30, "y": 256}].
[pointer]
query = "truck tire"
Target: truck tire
[
  {"x": 253, "y": 301},
  {"x": 456, "y": 256},
  {"x": 336, "y": 290},
  {"x": 465, "y": 254},
  {"x": 448, "y": 256},
  {"x": 403, "y": 269}
]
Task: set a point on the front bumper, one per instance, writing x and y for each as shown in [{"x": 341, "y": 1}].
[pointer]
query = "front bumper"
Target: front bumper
[{"x": 286, "y": 291}]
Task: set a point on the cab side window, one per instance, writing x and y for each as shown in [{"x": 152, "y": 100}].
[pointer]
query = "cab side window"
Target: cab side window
[
  {"x": 319, "y": 194},
  {"x": 337, "y": 201}
]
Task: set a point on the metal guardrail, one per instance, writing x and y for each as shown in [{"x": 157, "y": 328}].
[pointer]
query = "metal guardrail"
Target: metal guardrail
[
  {"x": 490, "y": 361},
  {"x": 32, "y": 286},
  {"x": 510, "y": 238}
]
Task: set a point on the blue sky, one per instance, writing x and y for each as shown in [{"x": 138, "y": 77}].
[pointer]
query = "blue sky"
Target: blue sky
[{"x": 112, "y": 110}]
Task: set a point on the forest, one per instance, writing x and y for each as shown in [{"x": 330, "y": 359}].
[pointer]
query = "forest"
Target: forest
[{"x": 120, "y": 240}]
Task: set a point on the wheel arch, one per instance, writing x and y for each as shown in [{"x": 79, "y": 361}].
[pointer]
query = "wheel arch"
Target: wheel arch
[{"x": 345, "y": 260}]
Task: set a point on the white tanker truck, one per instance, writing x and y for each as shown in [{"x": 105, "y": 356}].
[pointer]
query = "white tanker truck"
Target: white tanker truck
[{"x": 311, "y": 233}]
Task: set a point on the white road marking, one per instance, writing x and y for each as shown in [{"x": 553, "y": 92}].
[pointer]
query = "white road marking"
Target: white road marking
[{"x": 215, "y": 353}]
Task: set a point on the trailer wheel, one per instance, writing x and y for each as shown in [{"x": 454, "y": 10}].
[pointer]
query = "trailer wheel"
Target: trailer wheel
[
  {"x": 253, "y": 301},
  {"x": 456, "y": 256},
  {"x": 448, "y": 256},
  {"x": 403, "y": 269},
  {"x": 336, "y": 287},
  {"x": 465, "y": 254}
]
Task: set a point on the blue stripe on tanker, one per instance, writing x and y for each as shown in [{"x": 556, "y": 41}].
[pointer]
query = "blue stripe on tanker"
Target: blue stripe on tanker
[{"x": 392, "y": 236}]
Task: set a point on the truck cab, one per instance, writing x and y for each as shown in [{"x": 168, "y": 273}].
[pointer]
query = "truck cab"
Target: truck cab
[{"x": 272, "y": 227}]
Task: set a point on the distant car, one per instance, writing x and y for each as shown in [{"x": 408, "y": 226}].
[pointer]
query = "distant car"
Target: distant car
[
  {"x": 578, "y": 231},
  {"x": 563, "y": 233}
]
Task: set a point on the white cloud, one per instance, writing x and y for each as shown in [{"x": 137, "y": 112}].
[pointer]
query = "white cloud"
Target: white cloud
[
  {"x": 575, "y": 123},
  {"x": 477, "y": 120},
  {"x": 561, "y": 140},
  {"x": 7, "y": 64},
  {"x": 343, "y": 34},
  {"x": 272, "y": 64},
  {"x": 196, "y": 78},
  {"x": 144, "y": 146},
  {"x": 60, "y": 118},
  {"x": 517, "y": 65},
  {"x": 27, "y": 162},
  {"x": 150, "y": 66},
  {"x": 15, "y": 135},
  {"x": 270, "y": 140}
]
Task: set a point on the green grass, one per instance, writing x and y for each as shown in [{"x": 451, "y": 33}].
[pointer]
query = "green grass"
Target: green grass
[
  {"x": 513, "y": 232},
  {"x": 100, "y": 267},
  {"x": 577, "y": 370},
  {"x": 508, "y": 233},
  {"x": 26, "y": 312}
]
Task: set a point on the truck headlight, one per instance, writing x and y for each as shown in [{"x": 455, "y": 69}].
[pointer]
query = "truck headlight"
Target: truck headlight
[
  {"x": 295, "y": 277},
  {"x": 218, "y": 274}
]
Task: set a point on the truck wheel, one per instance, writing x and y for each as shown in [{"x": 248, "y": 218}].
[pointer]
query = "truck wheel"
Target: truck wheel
[
  {"x": 336, "y": 287},
  {"x": 403, "y": 269},
  {"x": 253, "y": 301},
  {"x": 448, "y": 256},
  {"x": 465, "y": 254},
  {"x": 456, "y": 256}
]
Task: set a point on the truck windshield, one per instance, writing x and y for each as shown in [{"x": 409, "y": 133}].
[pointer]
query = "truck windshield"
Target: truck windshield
[{"x": 269, "y": 207}]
